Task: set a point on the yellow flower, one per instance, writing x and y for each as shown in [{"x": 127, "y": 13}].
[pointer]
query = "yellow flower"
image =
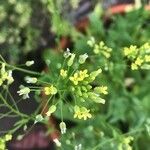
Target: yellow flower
[
  {"x": 134, "y": 66},
  {"x": 80, "y": 76},
  {"x": 130, "y": 50},
  {"x": 82, "y": 113},
  {"x": 101, "y": 90},
  {"x": 125, "y": 143},
  {"x": 138, "y": 61},
  {"x": 83, "y": 74},
  {"x": 8, "y": 137},
  {"x": 78, "y": 113},
  {"x": 85, "y": 113},
  {"x": 63, "y": 73},
  {"x": 74, "y": 79},
  {"x": 50, "y": 90},
  {"x": 147, "y": 58},
  {"x": 5, "y": 75}
]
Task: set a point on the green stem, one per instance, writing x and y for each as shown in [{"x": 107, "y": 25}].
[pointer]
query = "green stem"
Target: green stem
[
  {"x": 11, "y": 97},
  {"x": 46, "y": 104},
  {"x": 11, "y": 108},
  {"x": 22, "y": 70},
  {"x": 113, "y": 139}
]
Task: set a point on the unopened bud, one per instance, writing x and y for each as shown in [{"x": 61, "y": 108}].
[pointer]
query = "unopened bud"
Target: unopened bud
[
  {"x": 82, "y": 58},
  {"x": 62, "y": 126},
  {"x": 29, "y": 63},
  {"x": 57, "y": 142},
  {"x": 70, "y": 61}
]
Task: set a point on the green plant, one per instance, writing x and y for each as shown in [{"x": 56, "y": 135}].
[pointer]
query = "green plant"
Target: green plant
[
  {"x": 103, "y": 87},
  {"x": 75, "y": 88}
]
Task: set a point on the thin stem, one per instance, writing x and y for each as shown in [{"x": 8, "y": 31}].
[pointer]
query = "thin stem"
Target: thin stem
[
  {"x": 61, "y": 111},
  {"x": 11, "y": 97},
  {"x": 11, "y": 108},
  {"x": 2, "y": 58},
  {"x": 5, "y": 115},
  {"x": 22, "y": 70},
  {"x": 113, "y": 139},
  {"x": 46, "y": 104}
]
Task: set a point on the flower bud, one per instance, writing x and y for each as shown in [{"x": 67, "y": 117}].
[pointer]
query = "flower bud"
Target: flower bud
[
  {"x": 63, "y": 73},
  {"x": 29, "y": 63},
  {"x": 8, "y": 137},
  {"x": 94, "y": 74},
  {"x": 24, "y": 91},
  {"x": 62, "y": 126},
  {"x": 38, "y": 118},
  {"x": 82, "y": 58},
  {"x": 30, "y": 79},
  {"x": 56, "y": 141},
  {"x": 91, "y": 42},
  {"x": 51, "y": 110},
  {"x": 70, "y": 61},
  {"x": 67, "y": 53},
  {"x": 78, "y": 147}
]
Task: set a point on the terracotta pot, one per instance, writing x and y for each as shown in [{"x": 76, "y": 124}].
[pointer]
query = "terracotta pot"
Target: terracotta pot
[
  {"x": 34, "y": 140},
  {"x": 123, "y": 8}
]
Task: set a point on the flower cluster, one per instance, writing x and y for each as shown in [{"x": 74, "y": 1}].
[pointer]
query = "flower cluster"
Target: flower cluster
[
  {"x": 139, "y": 57},
  {"x": 79, "y": 76},
  {"x": 50, "y": 90},
  {"x": 100, "y": 48},
  {"x": 63, "y": 73},
  {"x": 5, "y": 75},
  {"x": 3, "y": 140},
  {"x": 24, "y": 91},
  {"x": 125, "y": 143},
  {"x": 82, "y": 112},
  {"x": 82, "y": 86}
]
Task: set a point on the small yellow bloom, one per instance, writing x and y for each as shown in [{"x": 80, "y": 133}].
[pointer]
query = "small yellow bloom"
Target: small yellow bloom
[
  {"x": 125, "y": 143},
  {"x": 83, "y": 74},
  {"x": 74, "y": 79},
  {"x": 78, "y": 113},
  {"x": 134, "y": 66},
  {"x": 102, "y": 90},
  {"x": 82, "y": 113},
  {"x": 147, "y": 58},
  {"x": 138, "y": 61},
  {"x": 80, "y": 76},
  {"x": 130, "y": 50},
  {"x": 50, "y": 90},
  {"x": 63, "y": 73},
  {"x": 8, "y": 137}
]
